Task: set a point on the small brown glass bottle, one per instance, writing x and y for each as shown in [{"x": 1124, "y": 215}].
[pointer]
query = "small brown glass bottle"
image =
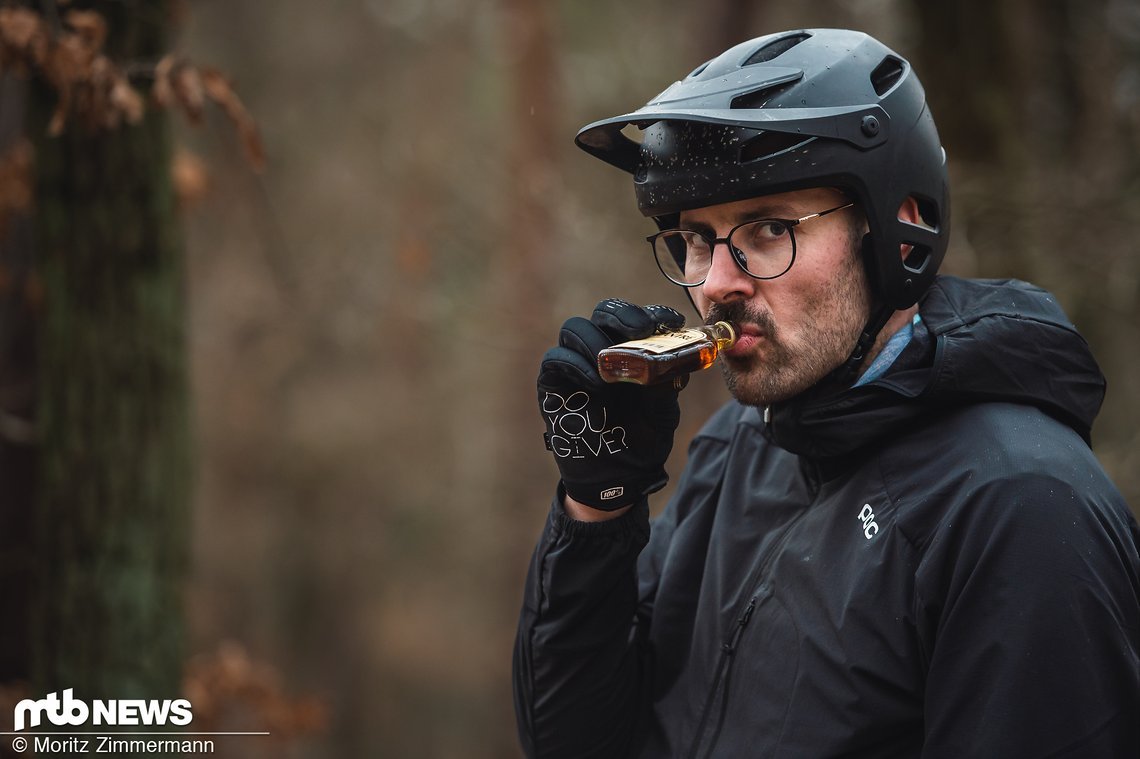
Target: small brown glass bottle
[{"x": 667, "y": 356}]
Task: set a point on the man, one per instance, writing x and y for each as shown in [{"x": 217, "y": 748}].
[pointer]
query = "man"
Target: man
[{"x": 896, "y": 540}]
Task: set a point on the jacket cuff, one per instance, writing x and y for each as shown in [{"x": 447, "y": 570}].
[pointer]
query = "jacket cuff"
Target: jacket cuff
[{"x": 633, "y": 523}]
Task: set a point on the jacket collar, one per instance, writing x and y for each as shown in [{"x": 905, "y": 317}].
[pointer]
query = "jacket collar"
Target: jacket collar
[{"x": 980, "y": 340}]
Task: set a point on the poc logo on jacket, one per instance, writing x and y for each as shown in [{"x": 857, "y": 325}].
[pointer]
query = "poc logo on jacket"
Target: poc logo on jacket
[{"x": 867, "y": 517}]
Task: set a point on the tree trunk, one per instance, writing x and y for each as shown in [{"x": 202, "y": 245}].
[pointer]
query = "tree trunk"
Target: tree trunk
[
  {"x": 524, "y": 262},
  {"x": 113, "y": 495},
  {"x": 17, "y": 396}
]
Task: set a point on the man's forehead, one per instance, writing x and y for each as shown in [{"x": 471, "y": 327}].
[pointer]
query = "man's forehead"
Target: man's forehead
[{"x": 786, "y": 204}]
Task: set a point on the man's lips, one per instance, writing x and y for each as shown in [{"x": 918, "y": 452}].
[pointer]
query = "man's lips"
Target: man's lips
[{"x": 750, "y": 336}]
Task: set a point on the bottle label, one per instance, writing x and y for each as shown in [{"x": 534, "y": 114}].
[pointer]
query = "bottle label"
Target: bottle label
[{"x": 669, "y": 341}]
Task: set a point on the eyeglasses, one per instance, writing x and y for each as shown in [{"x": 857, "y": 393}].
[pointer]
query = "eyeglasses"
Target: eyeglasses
[{"x": 762, "y": 248}]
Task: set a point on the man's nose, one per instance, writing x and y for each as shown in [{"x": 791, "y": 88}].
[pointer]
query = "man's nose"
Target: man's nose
[{"x": 726, "y": 280}]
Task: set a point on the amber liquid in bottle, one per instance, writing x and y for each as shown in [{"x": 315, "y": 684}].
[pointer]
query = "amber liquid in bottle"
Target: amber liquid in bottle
[{"x": 664, "y": 357}]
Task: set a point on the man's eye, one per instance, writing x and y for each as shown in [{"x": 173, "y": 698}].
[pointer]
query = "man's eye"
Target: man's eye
[
  {"x": 696, "y": 242},
  {"x": 771, "y": 229},
  {"x": 761, "y": 235}
]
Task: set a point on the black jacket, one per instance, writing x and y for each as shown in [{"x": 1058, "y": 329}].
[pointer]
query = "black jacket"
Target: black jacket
[{"x": 932, "y": 565}]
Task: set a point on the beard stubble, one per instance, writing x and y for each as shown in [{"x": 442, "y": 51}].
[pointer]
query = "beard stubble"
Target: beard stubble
[{"x": 833, "y": 315}]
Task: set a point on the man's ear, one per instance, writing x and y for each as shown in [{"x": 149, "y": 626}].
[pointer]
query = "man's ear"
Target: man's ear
[{"x": 909, "y": 213}]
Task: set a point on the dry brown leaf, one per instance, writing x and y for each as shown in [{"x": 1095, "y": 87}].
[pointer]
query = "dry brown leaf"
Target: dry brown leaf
[
  {"x": 16, "y": 176},
  {"x": 90, "y": 27},
  {"x": 227, "y": 683},
  {"x": 19, "y": 27},
  {"x": 189, "y": 176},
  {"x": 163, "y": 89},
  {"x": 219, "y": 90},
  {"x": 101, "y": 72},
  {"x": 58, "y": 117},
  {"x": 93, "y": 92},
  {"x": 16, "y": 191},
  {"x": 59, "y": 66},
  {"x": 61, "y": 70},
  {"x": 76, "y": 48},
  {"x": 188, "y": 88},
  {"x": 126, "y": 100},
  {"x": 23, "y": 36}
]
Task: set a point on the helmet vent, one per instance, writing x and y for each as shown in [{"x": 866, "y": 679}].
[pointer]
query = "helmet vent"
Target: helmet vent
[
  {"x": 887, "y": 74},
  {"x": 767, "y": 144},
  {"x": 758, "y": 98},
  {"x": 775, "y": 49}
]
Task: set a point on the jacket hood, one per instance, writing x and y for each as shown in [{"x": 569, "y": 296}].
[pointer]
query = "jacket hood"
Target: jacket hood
[{"x": 984, "y": 340}]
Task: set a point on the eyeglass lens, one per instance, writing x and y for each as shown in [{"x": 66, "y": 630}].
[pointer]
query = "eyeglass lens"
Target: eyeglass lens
[{"x": 764, "y": 248}]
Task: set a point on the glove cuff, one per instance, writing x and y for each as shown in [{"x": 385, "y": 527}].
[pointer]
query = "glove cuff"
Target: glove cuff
[{"x": 612, "y": 495}]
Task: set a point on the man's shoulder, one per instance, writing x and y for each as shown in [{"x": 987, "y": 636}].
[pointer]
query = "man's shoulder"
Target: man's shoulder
[
  {"x": 997, "y": 463},
  {"x": 999, "y": 436}
]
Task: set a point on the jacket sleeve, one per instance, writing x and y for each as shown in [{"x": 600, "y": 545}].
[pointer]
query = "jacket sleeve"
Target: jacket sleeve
[
  {"x": 1031, "y": 600},
  {"x": 579, "y": 666}
]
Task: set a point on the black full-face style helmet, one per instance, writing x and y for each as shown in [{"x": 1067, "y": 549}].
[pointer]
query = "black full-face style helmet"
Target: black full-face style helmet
[{"x": 789, "y": 111}]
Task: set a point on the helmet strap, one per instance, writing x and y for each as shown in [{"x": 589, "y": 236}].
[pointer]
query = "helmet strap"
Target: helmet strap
[{"x": 880, "y": 315}]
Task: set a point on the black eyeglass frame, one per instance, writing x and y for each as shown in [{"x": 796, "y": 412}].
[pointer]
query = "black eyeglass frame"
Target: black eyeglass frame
[{"x": 737, "y": 253}]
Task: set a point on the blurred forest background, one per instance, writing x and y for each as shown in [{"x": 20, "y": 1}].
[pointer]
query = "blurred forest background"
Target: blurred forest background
[{"x": 366, "y": 314}]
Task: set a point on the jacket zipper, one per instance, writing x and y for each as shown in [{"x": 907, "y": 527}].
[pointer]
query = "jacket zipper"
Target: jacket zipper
[{"x": 728, "y": 649}]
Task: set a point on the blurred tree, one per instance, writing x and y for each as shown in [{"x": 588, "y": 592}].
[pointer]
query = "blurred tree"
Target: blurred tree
[
  {"x": 1038, "y": 108},
  {"x": 18, "y": 290},
  {"x": 112, "y": 503},
  {"x": 722, "y": 25},
  {"x": 521, "y": 283}
]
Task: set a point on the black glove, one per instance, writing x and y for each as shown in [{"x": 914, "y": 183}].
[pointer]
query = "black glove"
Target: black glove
[{"x": 610, "y": 441}]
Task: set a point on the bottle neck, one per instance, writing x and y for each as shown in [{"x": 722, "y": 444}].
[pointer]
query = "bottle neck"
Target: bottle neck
[{"x": 725, "y": 334}]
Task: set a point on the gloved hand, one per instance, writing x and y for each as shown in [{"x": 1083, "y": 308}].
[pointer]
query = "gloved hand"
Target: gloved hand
[{"x": 610, "y": 441}]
